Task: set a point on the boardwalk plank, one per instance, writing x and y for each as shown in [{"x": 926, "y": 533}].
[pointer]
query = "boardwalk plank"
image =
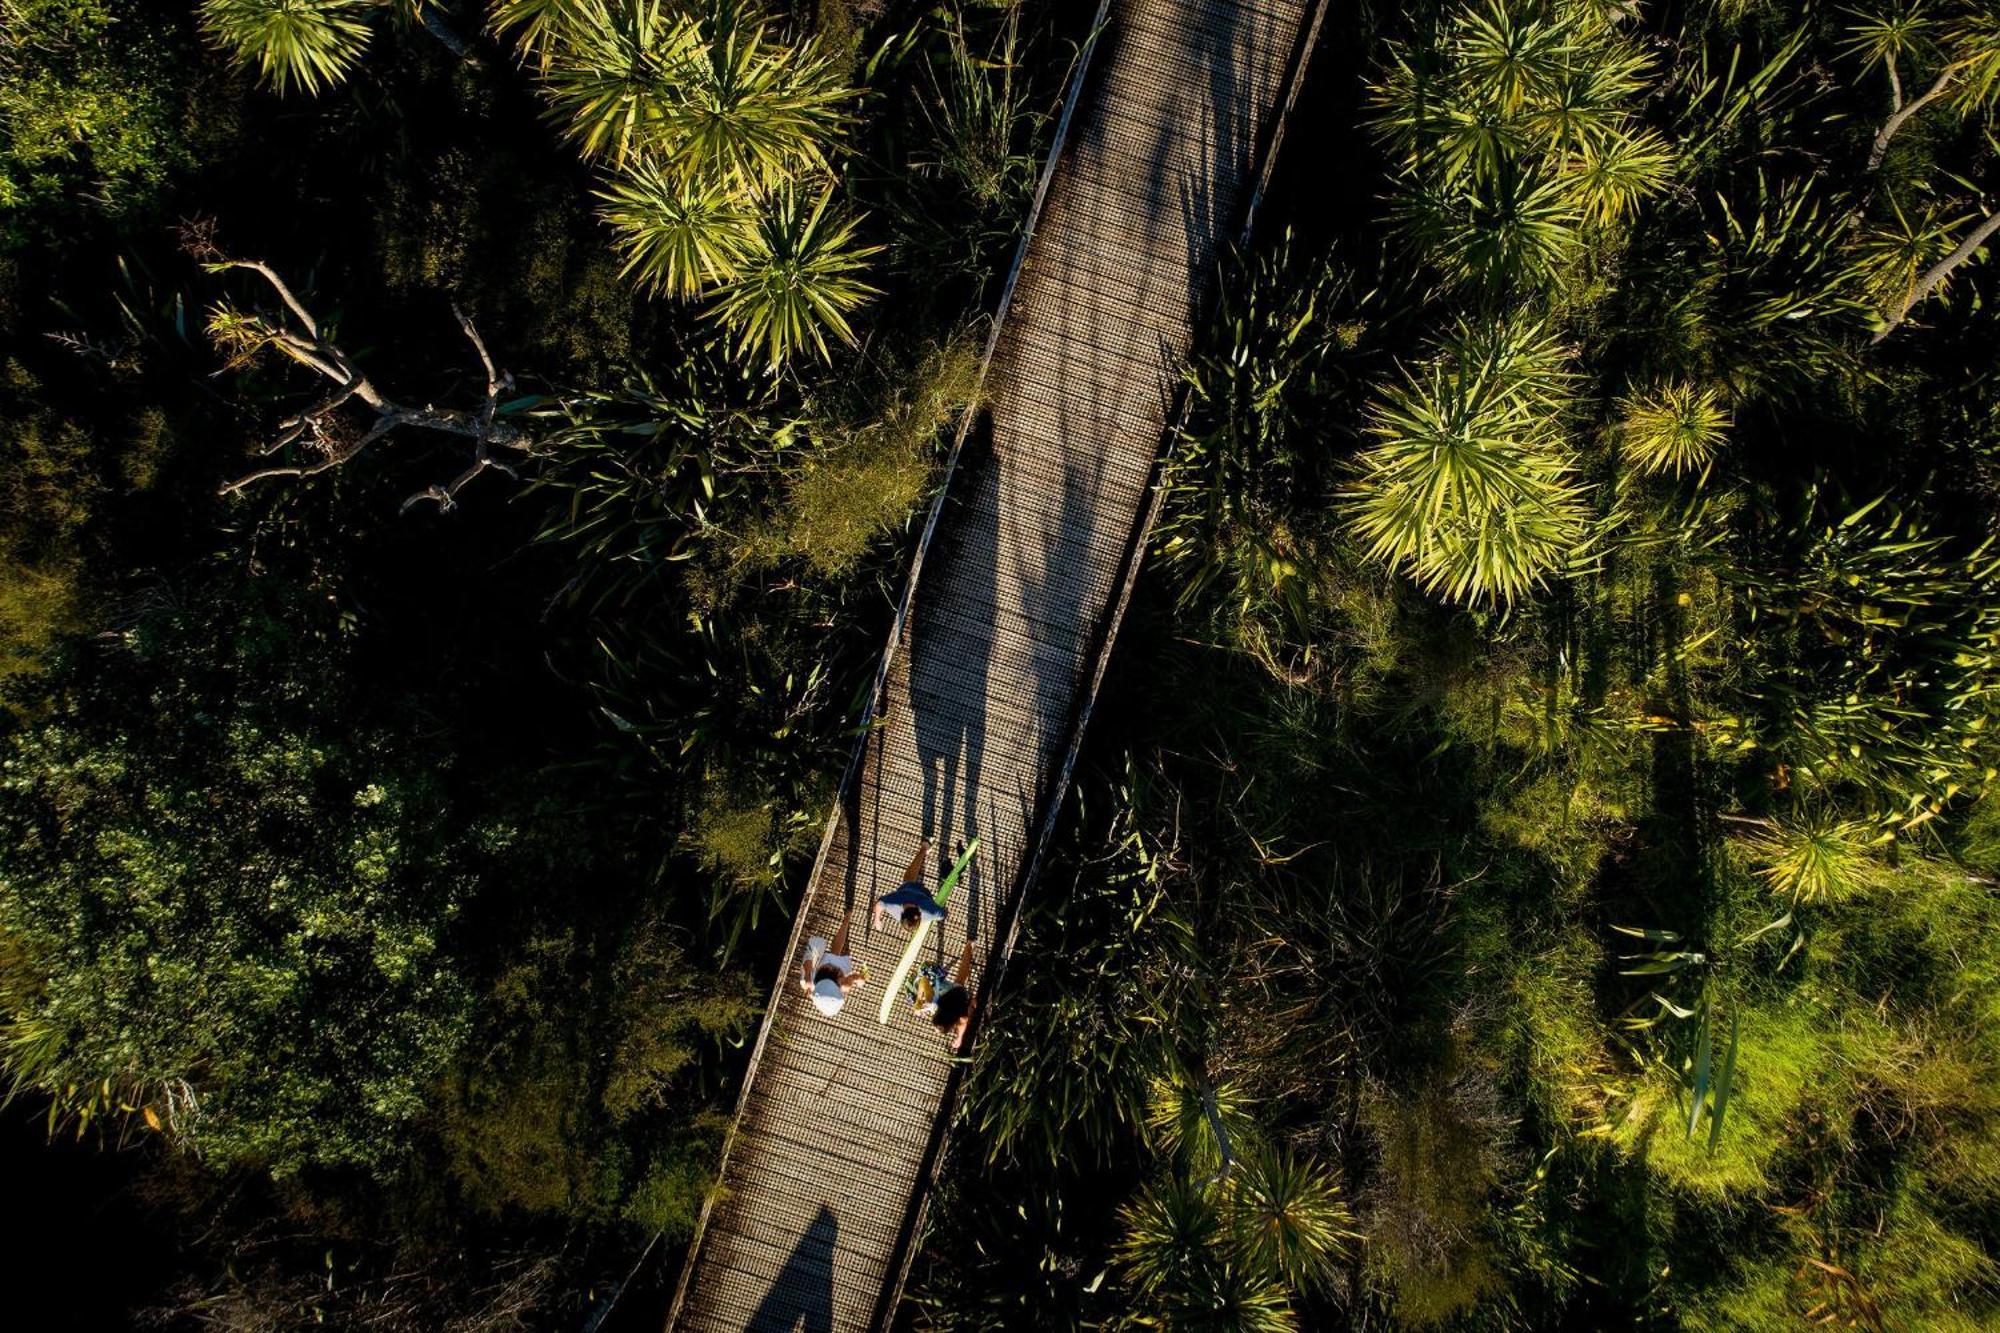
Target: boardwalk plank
[{"x": 836, "y": 1128}]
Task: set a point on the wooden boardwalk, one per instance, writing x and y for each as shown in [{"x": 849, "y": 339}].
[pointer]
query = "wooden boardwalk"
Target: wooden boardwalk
[{"x": 1025, "y": 568}]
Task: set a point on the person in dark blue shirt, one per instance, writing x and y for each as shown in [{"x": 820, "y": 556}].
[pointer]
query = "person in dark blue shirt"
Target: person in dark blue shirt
[{"x": 911, "y": 903}]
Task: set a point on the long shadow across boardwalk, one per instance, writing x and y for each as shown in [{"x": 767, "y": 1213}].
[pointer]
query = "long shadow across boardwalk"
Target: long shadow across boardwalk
[{"x": 990, "y": 674}]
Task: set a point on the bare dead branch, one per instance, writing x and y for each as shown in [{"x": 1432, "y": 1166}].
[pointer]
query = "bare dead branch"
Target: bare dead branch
[
  {"x": 332, "y": 460},
  {"x": 318, "y": 353},
  {"x": 446, "y": 496},
  {"x": 270, "y": 275}
]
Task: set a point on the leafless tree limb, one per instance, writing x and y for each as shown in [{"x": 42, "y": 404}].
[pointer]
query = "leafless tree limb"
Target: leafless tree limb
[{"x": 297, "y": 335}]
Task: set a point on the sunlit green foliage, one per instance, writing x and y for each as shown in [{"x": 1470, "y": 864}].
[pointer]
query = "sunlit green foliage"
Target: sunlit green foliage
[
  {"x": 863, "y": 481},
  {"x": 1817, "y": 856},
  {"x": 272, "y": 988},
  {"x": 1515, "y": 135},
  {"x": 721, "y": 139},
  {"x": 1468, "y": 485},
  {"x": 956, "y": 205},
  {"x": 678, "y": 240},
  {"x": 537, "y": 25},
  {"x": 1224, "y": 1251},
  {"x": 92, "y": 112},
  {"x": 1906, "y": 725},
  {"x": 1676, "y": 429},
  {"x": 798, "y": 281},
  {"x": 294, "y": 45},
  {"x": 707, "y": 96},
  {"x": 534, "y": 1124}
]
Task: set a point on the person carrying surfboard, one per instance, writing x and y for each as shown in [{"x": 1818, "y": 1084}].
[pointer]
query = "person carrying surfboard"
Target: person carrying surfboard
[
  {"x": 946, "y": 1000},
  {"x": 921, "y": 923},
  {"x": 829, "y": 972},
  {"x": 910, "y": 901}
]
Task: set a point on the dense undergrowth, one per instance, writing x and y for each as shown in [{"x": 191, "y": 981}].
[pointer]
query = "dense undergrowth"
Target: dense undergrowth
[
  {"x": 1534, "y": 867},
  {"x": 389, "y": 853},
  {"x": 1539, "y": 867}
]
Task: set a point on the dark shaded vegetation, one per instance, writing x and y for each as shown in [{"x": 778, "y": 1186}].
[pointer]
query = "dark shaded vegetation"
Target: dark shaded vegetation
[
  {"x": 382, "y": 881},
  {"x": 1544, "y": 805},
  {"x": 1535, "y": 864}
]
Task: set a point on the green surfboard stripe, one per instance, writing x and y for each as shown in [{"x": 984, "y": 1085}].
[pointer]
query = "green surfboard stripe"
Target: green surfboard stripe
[{"x": 922, "y": 933}]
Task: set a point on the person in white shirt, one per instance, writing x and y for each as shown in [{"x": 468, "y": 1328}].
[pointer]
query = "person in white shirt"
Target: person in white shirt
[{"x": 829, "y": 972}]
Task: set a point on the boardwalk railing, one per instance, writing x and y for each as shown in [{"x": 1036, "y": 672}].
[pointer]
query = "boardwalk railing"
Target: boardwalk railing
[{"x": 1163, "y": 148}]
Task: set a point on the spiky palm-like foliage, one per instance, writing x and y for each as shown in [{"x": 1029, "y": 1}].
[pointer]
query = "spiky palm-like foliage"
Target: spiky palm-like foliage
[
  {"x": 1518, "y": 228},
  {"x": 1190, "y": 1118},
  {"x": 1972, "y": 41},
  {"x": 1469, "y": 487},
  {"x": 752, "y": 111},
  {"x": 538, "y": 26},
  {"x": 1612, "y": 175},
  {"x": 1515, "y": 130},
  {"x": 1178, "y": 1252},
  {"x": 1892, "y": 256},
  {"x": 711, "y": 100},
  {"x": 292, "y": 44},
  {"x": 798, "y": 281},
  {"x": 1288, "y": 1219},
  {"x": 1816, "y": 855},
  {"x": 1890, "y": 36},
  {"x": 1675, "y": 428},
  {"x": 1172, "y": 1228},
  {"x": 616, "y": 75},
  {"x": 715, "y": 136},
  {"x": 1876, "y": 653},
  {"x": 678, "y": 238}
]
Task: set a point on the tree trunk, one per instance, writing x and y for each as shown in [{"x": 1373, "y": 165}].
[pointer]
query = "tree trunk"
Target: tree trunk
[
  {"x": 1880, "y": 148},
  {"x": 1938, "y": 272}
]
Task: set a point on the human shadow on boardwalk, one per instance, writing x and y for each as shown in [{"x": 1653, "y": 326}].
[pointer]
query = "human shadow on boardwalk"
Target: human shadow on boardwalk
[
  {"x": 803, "y": 1293},
  {"x": 951, "y": 666}
]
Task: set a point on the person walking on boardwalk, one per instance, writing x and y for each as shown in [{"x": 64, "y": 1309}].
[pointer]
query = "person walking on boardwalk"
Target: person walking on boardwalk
[
  {"x": 829, "y": 972},
  {"x": 946, "y": 1000},
  {"x": 910, "y": 901}
]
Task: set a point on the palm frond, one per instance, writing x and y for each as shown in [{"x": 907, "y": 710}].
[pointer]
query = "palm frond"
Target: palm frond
[
  {"x": 1816, "y": 855},
  {"x": 1469, "y": 487},
  {"x": 1675, "y": 428},
  {"x": 678, "y": 238},
  {"x": 292, "y": 44},
  {"x": 750, "y": 111},
  {"x": 798, "y": 280},
  {"x": 616, "y": 76},
  {"x": 1288, "y": 1218},
  {"x": 539, "y": 26}
]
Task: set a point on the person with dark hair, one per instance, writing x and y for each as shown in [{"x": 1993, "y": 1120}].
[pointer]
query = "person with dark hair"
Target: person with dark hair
[
  {"x": 946, "y": 1000},
  {"x": 910, "y": 902},
  {"x": 829, "y": 972}
]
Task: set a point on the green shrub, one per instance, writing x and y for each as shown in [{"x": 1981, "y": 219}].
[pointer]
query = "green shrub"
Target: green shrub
[
  {"x": 94, "y": 113},
  {"x": 225, "y": 901},
  {"x": 584, "y": 1103},
  {"x": 863, "y": 482}
]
